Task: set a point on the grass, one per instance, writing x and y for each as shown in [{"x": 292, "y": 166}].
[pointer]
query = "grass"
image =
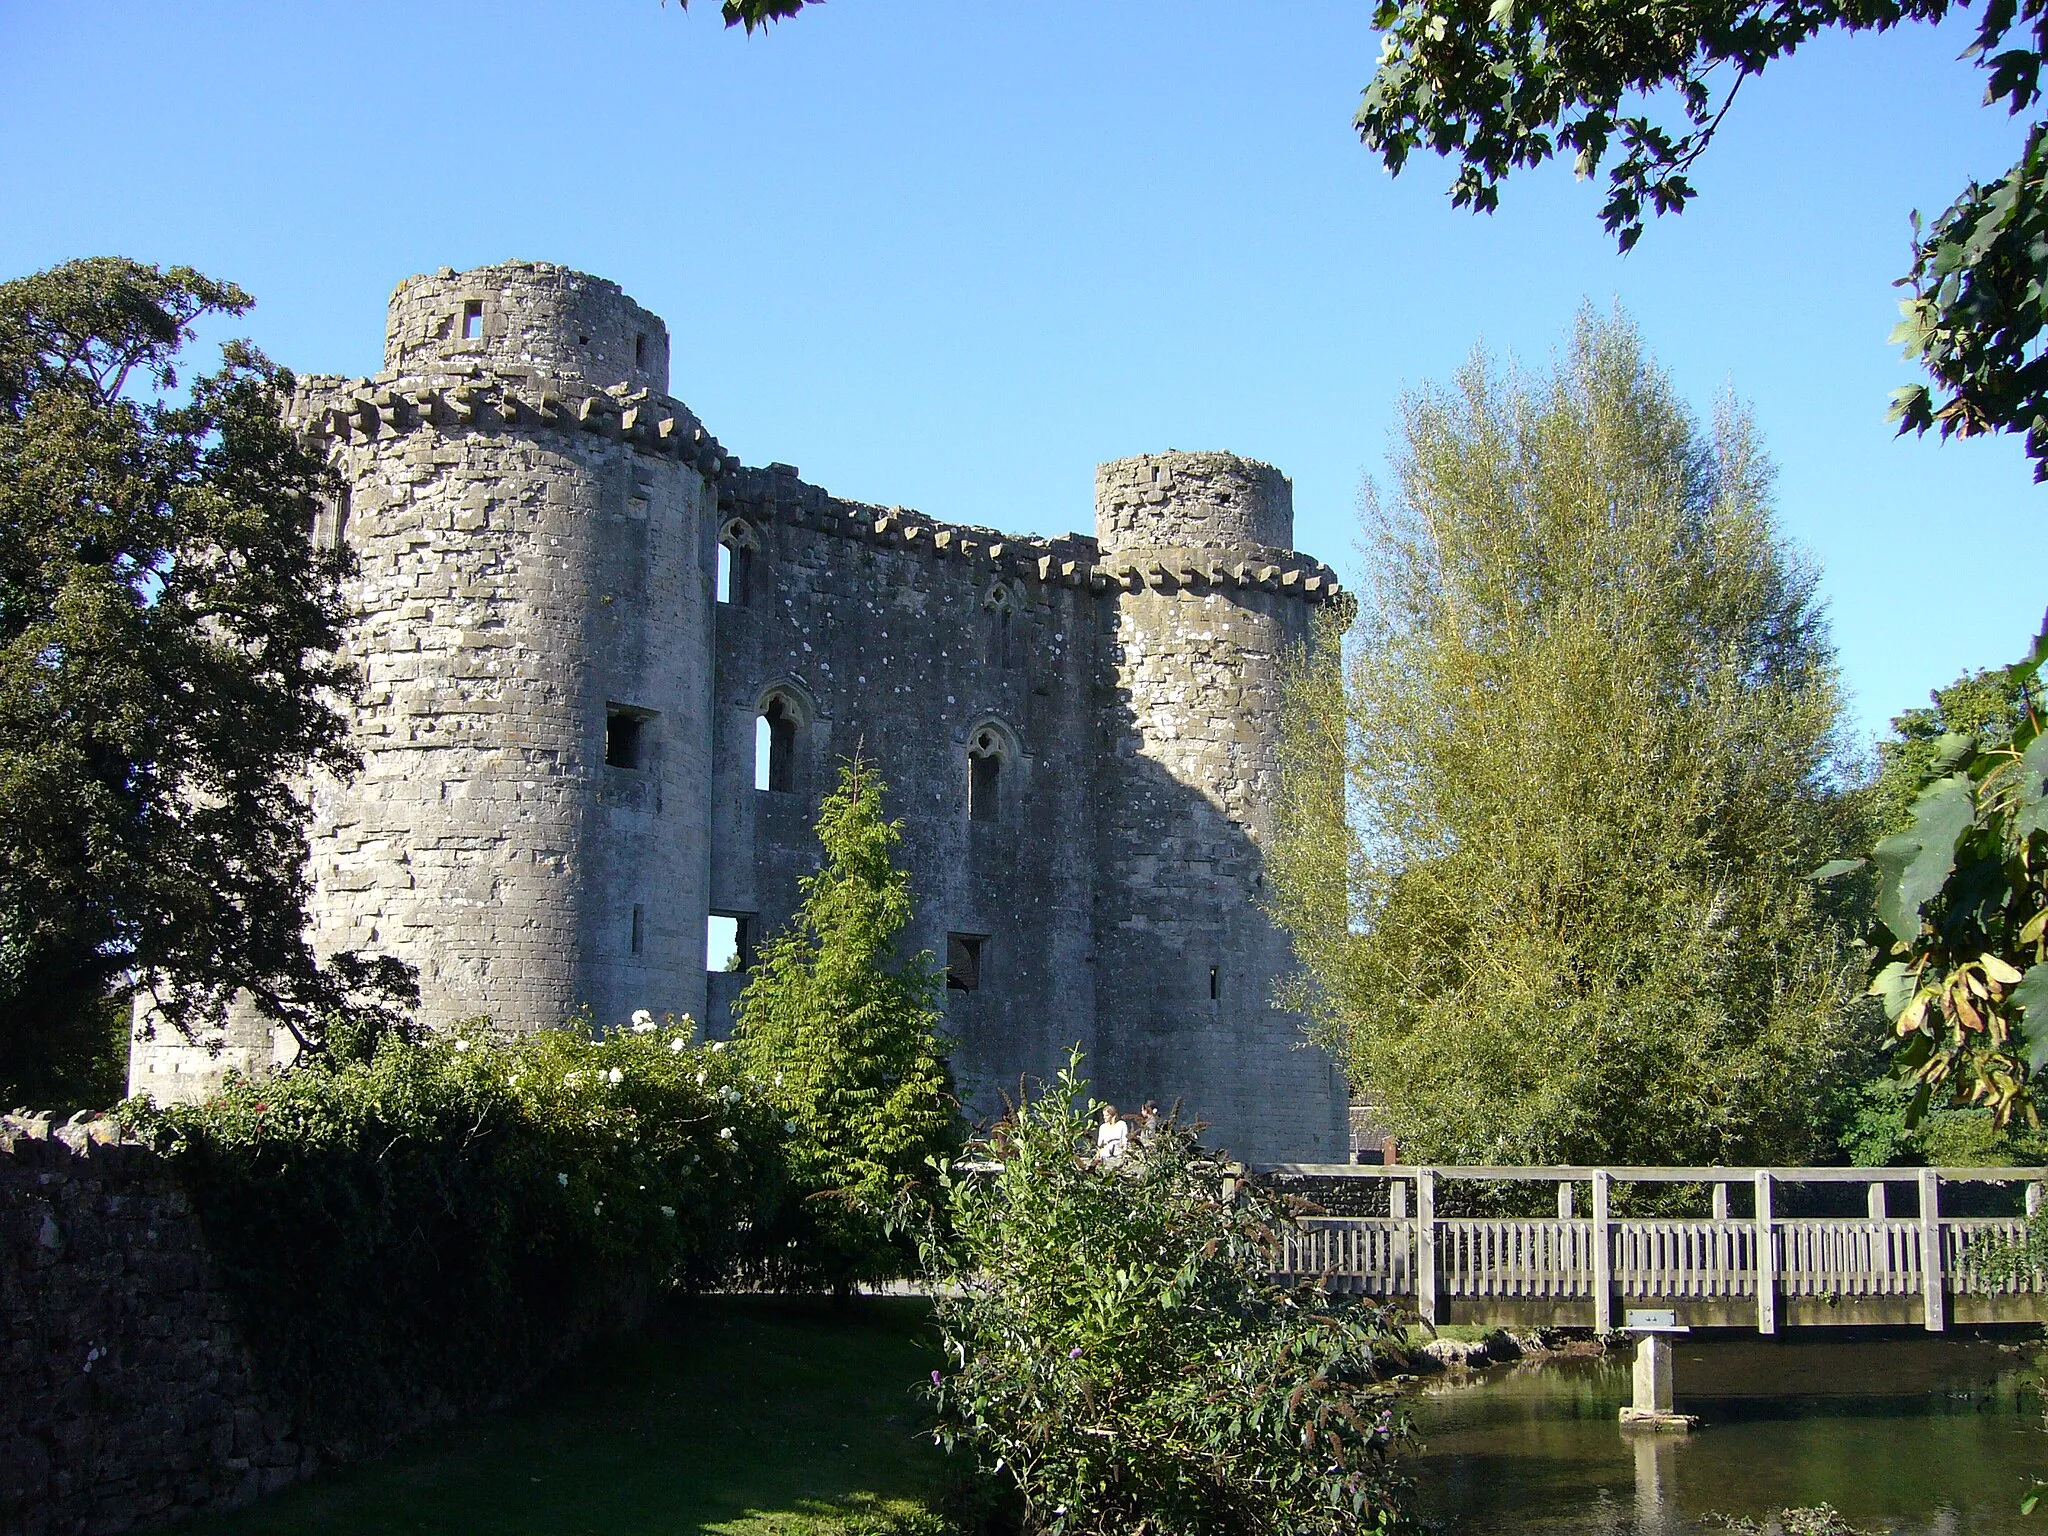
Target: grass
[{"x": 742, "y": 1416}]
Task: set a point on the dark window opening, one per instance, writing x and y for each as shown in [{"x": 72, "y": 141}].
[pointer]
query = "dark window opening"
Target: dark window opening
[
  {"x": 963, "y": 961},
  {"x": 1213, "y": 992},
  {"x": 775, "y": 747},
  {"x": 640, "y": 350},
  {"x": 341, "y": 511},
  {"x": 639, "y": 926},
  {"x": 582, "y": 341},
  {"x": 984, "y": 776},
  {"x": 473, "y": 320},
  {"x": 625, "y": 738},
  {"x": 735, "y": 568}
]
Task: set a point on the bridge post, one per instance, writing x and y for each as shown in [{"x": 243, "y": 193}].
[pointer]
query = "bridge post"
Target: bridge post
[
  {"x": 1766, "y": 1259},
  {"x": 1877, "y": 1212},
  {"x": 1720, "y": 1202},
  {"x": 1425, "y": 1244},
  {"x": 2034, "y": 1193},
  {"x": 1930, "y": 1250},
  {"x": 1564, "y": 1200},
  {"x": 1603, "y": 1258}
]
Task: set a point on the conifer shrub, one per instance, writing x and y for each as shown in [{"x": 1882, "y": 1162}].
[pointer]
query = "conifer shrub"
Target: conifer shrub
[
  {"x": 1121, "y": 1357},
  {"x": 839, "y": 1030},
  {"x": 413, "y": 1223}
]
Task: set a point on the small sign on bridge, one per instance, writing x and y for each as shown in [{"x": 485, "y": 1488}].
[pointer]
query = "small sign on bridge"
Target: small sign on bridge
[{"x": 1651, "y": 1320}]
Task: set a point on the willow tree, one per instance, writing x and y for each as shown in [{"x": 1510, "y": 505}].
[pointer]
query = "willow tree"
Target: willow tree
[{"x": 1547, "y": 831}]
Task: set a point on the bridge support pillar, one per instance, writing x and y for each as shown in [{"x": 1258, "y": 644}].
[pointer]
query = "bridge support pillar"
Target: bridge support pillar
[
  {"x": 1652, "y": 1407},
  {"x": 1931, "y": 1289}
]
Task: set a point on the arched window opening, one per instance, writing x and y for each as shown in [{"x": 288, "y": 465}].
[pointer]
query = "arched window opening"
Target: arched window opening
[
  {"x": 736, "y": 546},
  {"x": 775, "y": 746},
  {"x": 984, "y": 776}
]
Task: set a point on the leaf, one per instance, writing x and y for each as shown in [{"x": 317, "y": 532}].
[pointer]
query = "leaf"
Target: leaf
[
  {"x": 1998, "y": 970},
  {"x": 2031, "y": 808},
  {"x": 1913, "y": 865},
  {"x": 1834, "y": 869},
  {"x": 2030, "y": 998},
  {"x": 1895, "y": 985},
  {"x": 1951, "y": 748}
]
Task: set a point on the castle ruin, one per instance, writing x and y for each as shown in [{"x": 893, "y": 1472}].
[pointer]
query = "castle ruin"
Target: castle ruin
[{"x": 609, "y": 674}]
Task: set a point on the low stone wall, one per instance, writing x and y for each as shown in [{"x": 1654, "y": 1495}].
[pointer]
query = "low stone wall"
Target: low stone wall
[{"x": 127, "y": 1394}]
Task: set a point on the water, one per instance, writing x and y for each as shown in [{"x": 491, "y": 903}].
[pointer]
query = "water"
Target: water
[{"x": 1913, "y": 1435}]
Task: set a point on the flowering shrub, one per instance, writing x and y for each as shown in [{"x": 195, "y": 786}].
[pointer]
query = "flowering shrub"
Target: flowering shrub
[
  {"x": 1121, "y": 1355},
  {"x": 443, "y": 1217}
]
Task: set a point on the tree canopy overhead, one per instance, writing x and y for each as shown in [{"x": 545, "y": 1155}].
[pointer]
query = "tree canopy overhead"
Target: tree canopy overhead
[
  {"x": 167, "y": 636},
  {"x": 1545, "y": 835},
  {"x": 1499, "y": 85}
]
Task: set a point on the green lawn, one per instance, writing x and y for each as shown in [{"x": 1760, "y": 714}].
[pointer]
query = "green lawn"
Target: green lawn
[{"x": 746, "y": 1416}]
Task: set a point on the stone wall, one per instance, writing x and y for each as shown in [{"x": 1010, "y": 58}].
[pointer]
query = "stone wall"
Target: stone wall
[{"x": 126, "y": 1395}]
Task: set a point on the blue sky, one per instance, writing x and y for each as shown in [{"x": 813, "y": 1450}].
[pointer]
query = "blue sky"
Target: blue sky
[{"x": 949, "y": 254}]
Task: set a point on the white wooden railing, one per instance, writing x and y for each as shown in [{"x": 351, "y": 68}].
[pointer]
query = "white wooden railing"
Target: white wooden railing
[{"x": 1754, "y": 1260}]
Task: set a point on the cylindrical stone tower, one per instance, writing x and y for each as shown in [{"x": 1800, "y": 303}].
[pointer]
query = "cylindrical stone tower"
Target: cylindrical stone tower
[
  {"x": 1211, "y": 598},
  {"x": 532, "y": 520}
]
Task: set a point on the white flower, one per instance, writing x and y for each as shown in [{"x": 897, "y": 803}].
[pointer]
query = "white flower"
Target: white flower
[
  {"x": 778, "y": 1079},
  {"x": 462, "y": 1045},
  {"x": 643, "y": 1021},
  {"x": 725, "y": 1134},
  {"x": 512, "y": 1081},
  {"x": 700, "y": 1079},
  {"x": 562, "y": 1179},
  {"x": 669, "y": 1211},
  {"x": 597, "y": 1209},
  {"x": 789, "y": 1126},
  {"x": 676, "y": 1045},
  {"x": 718, "y": 1045},
  {"x": 615, "y": 1076}
]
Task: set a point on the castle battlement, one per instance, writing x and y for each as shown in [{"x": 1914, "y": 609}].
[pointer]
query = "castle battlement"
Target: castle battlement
[{"x": 609, "y": 672}]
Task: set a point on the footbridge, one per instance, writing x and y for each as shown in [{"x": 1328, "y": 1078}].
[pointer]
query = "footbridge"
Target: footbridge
[{"x": 1732, "y": 1257}]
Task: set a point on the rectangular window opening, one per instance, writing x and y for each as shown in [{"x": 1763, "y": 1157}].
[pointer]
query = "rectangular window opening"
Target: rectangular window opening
[
  {"x": 639, "y": 926},
  {"x": 729, "y": 941},
  {"x": 1214, "y": 991},
  {"x": 473, "y": 320},
  {"x": 625, "y": 737},
  {"x": 640, "y": 350},
  {"x": 964, "y": 953},
  {"x": 721, "y": 587}
]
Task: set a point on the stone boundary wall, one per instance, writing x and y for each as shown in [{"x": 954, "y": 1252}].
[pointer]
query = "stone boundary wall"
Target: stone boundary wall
[{"x": 127, "y": 1395}]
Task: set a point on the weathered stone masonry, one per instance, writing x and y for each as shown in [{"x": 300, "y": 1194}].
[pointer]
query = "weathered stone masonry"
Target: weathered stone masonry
[{"x": 560, "y": 718}]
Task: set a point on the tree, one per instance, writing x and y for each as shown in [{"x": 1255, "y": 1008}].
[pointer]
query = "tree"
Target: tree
[
  {"x": 753, "y": 13},
  {"x": 1123, "y": 1358},
  {"x": 1545, "y": 837},
  {"x": 1499, "y": 84},
  {"x": 1962, "y": 896},
  {"x": 1987, "y": 704},
  {"x": 167, "y": 632},
  {"x": 840, "y": 1031}
]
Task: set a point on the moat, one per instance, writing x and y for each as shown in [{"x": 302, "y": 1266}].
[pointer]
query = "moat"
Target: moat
[{"x": 1910, "y": 1435}]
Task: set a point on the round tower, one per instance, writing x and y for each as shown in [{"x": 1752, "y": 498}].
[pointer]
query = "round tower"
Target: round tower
[
  {"x": 532, "y": 520},
  {"x": 1210, "y": 599}
]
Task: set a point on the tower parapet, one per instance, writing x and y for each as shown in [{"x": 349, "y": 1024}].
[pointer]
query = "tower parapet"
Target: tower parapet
[
  {"x": 526, "y": 317},
  {"x": 1192, "y": 501}
]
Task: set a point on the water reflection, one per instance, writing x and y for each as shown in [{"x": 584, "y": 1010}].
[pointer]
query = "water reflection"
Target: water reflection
[{"x": 1913, "y": 1435}]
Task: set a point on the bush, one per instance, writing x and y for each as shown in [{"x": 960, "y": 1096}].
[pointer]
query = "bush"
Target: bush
[
  {"x": 1121, "y": 1354},
  {"x": 440, "y": 1219}
]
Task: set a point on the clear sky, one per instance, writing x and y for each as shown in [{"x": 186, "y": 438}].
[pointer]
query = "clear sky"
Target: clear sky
[{"x": 950, "y": 253}]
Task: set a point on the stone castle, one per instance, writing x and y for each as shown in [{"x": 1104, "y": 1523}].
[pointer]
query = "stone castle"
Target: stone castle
[{"x": 609, "y": 674}]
